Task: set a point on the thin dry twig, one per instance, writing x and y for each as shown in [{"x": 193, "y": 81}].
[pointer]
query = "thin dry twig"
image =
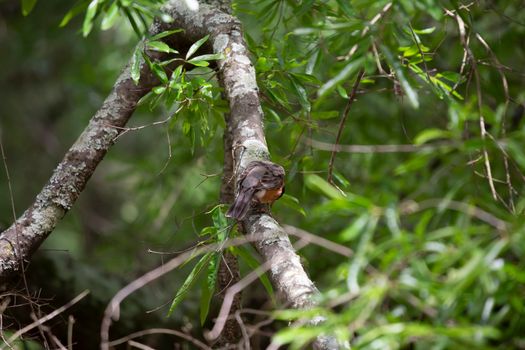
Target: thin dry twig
[
  {"x": 365, "y": 30},
  {"x": 229, "y": 297},
  {"x": 317, "y": 240},
  {"x": 46, "y": 318},
  {"x": 403, "y": 148},
  {"x": 159, "y": 331},
  {"x": 342, "y": 123},
  {"x": 70, "y": 323},
  {"x": 410, "y": 206},
  {"x": 112, "y": 311},
  {"x": 505, "y": 85},
  {"x": 138, "y": 345},
  {"x": 472, "y": 59}
]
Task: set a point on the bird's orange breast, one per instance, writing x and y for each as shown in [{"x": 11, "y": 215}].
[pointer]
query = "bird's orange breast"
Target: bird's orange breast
[{"x": 269, "y": 196}]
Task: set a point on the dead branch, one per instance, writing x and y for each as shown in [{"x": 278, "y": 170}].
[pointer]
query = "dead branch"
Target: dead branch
[{"x": 46, "y": 318}]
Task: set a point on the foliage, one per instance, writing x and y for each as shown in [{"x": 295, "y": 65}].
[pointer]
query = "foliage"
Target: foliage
[{"x": 437, "y": 239}]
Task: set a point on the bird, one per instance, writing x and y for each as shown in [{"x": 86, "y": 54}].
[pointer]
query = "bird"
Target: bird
[{"x": 260, "y": 182}]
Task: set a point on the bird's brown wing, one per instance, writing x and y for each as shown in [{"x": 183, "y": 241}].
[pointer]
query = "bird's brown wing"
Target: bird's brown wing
[{"x": 258, "y": 175}]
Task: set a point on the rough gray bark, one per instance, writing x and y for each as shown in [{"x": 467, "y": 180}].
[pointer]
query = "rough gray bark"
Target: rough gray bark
[{"x": 246, "y": 134}]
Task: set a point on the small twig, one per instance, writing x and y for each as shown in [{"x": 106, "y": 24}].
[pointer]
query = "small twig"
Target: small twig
[
  {"x": 365, "y": 30},
  {"x": 229, "y": 297},
  {"x": 410, "y": 206},
  {"x": 342, "y": 123},
  {"x": 126, "y": 129},
  {"x": 472, "y": 59},
  {"x": 245, "y": 336},
  {"x": 70, "y": 323},
  {"x": 403, "y": 148},
  {"x": 138, "y": 345},
  {"x": 505, "y": 85},
  {"x": 159, "y": 331},
  {"x": 3, "y": 305},
  {"x": 317, "y": 240},
  {"x": 112, "y": 311},
  {"x": 46, "y": 318},
  {"x": 169, "y": 152},
  {"x": 55, "y": 340}
]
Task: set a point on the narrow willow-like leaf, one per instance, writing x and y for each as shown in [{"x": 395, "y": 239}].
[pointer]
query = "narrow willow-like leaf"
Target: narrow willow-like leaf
[
  {"x": 27, "y": 6},
  {"x": 159, "y": 46},
  {"x": 136, "y": 63},
  {"x": 190, "y": 280},
  {"x": 77, "y": 9},
  {"x": 343, "y": 75},
  {"x": 359, "y": 260},
  {"x": 110, "y": 17},
  {"x": 196, "y": 46},
  {"x": 248, "y": 258},
  {"x": 208, "y": 286},
  {"x": 90, "y": 17},
  {"x": 165, "y": 34}
]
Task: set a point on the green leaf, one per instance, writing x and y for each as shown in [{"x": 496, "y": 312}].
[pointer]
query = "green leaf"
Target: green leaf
[
  {"x": 346, "y": 7},
  {"x": 165, "y": 34},
  {"x": 248, "y": 258},
  {"x": 159, "y": 72},
  {"x": 431, "y": 134},
  {"x": 159, "y": 46},
  {"x": 110, "y": 17},
  {"x": 292, "y": 203},
  {"x": 209, "y": 57},
  {"x": 176, "y": 74},
  {"x": 90, "y": 17},
  {"x": 159, "y": 89},
  {"x": 355, "y": 229},
  {"x": 27, "y": 6},
  {"x": 301, "y": 94},
  {"x": 196, "y": 46},
  {"x": 342, "y": 92},
  {"x": 410, "y": 92},
  {"x": 324, "y": 114},
  {"x": 199, "y": 63},
  {"x": 450, "y": 76},
  {"x": 424, "y": 31},
  {"x": 208, "y": 286},
  {"x": 77, "y": 9},
  {"x": 136, "y": 61},
  {"x": 220, "y": 223},
  {"x": 318, "y": 184},
  {"x": 300, "y": 337},
  {"x": 190, "y": 280},
  {"x": 360, "y": 258},
  {"x": 342, "y": 76}
]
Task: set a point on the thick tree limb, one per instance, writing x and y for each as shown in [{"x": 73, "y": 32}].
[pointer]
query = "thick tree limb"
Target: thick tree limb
[{"x": 245, "y": 131}]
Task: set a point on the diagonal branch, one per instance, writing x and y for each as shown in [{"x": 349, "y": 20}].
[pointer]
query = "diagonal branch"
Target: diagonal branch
[{"x": 69, "y": 178}]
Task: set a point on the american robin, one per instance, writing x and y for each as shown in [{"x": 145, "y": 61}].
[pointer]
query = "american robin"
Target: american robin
[{"x": 260, "y": 182}]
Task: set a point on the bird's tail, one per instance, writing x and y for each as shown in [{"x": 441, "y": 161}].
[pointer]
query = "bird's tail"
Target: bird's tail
[{"x": 241, "y": 205}]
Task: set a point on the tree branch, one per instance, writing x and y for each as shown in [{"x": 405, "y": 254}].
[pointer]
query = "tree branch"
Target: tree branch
[
  {"x": 245, "y": 128},
  {"x": 69, "y": 178}
]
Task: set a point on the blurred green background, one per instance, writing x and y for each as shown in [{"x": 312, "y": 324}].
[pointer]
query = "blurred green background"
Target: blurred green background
[{"x": 432, "y": 267}]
